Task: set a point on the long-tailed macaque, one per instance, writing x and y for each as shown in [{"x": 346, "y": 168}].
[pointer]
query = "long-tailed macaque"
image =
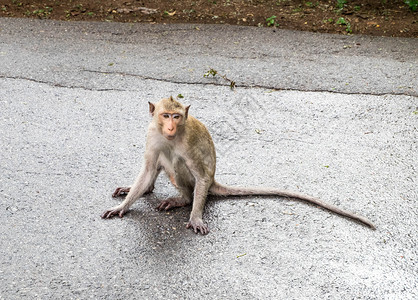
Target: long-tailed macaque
[{"x": 181, "y": 145}]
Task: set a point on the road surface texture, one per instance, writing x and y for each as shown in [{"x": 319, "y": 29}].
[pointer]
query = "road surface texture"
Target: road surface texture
[{"x": 332, "y": 116}]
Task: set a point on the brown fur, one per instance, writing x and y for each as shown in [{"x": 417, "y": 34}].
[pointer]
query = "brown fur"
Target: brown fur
[{"x": 183, "y": 148}]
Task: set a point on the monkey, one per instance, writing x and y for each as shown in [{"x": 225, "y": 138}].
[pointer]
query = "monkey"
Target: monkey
[{"x": 182, "y": 147}]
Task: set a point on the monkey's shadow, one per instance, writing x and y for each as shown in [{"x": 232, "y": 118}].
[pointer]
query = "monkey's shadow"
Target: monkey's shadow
[
  {"x": 159, "y": 225},
  {"x": 165, "y": 229},
  {"x": 145, "y": 212},
  {"x": 161, "y": 230}
]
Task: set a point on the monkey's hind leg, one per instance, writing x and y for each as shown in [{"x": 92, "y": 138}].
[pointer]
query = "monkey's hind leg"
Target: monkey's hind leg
[{"x": 186, "y": 192}]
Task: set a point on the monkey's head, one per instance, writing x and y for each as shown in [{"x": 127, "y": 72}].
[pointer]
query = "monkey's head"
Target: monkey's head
[{"x": 170, "y": 116}]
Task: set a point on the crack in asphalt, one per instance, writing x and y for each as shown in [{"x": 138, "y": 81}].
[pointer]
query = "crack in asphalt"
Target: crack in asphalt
[
  {"x": 248, "y": 86},
  {"x": 237, "y": 85},
  {"x": 58, "y": 84}
]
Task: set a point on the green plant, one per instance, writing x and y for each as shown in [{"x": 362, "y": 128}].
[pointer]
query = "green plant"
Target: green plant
[
  {"x": 43, "y": 13},
  {"x": 413, "y": 4},
  {"x": 348, "y": 28},
  {"x": 341, "y": 4},
  {"x": 342, "y": 21},
  {"x": 311, "y": 4},
  {"x": 213, "y": 73},
  {"x": 271, "y": 21}
]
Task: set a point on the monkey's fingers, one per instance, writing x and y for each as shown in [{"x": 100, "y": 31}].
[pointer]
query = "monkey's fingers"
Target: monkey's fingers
[
  {"x": 162, "y": 206},
  {"x": 171, "y": 203},
  {"x": 106, "y": 215},
  {"x": 165, "y": 205},
  {"x": 198, "y": 226},
  {"x": 112, "y": 212},
  {"x": 120, "y": 191}
]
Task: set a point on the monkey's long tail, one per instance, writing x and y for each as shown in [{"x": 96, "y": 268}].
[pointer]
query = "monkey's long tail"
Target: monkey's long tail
[{"x": 218, "y": 189}]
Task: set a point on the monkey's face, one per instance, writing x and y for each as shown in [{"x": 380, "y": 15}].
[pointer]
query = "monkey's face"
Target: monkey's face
[{"x": 169, "y": 123}]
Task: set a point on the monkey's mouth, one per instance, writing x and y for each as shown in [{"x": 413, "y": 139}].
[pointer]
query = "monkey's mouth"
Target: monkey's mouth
[{"x": 170, "y": 137}]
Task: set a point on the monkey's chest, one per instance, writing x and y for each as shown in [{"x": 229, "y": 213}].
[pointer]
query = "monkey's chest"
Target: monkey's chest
[{"x": 172, "y": 162}]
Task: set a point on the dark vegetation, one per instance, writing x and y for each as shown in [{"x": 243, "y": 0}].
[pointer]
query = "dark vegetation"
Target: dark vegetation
[{"x": 372, "y": 17}]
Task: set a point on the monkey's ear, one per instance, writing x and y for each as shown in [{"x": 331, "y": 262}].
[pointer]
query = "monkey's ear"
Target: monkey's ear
[
  {"x": 186, "y": 113},
  {"x": 151, "y": 108}
]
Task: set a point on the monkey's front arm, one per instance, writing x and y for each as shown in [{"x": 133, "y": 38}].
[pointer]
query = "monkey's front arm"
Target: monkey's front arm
[{"x": 143, "y": 184}]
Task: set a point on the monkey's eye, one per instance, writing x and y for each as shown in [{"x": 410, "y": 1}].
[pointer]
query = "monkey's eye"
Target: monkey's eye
[
  {"x": 176, "y": 116},
  {"x": 166, "y": 116}
]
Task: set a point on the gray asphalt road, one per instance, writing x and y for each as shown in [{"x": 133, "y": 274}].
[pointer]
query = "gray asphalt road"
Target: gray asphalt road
[{"x": 331, "y": 116}]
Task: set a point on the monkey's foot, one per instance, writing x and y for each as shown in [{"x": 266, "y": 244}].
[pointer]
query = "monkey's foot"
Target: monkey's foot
[
  {"x": 198, "y": 225},
  {"x": 172, "y": 203},
  {"x": 113, "y": 212},
  {"x": 120, "y": 191}
]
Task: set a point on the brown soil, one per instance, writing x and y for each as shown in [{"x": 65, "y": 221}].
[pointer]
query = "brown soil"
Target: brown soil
[{"x": 372, "y": 17}]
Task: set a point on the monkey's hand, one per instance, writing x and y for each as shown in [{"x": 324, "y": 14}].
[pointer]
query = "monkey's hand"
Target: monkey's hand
[
  {"x": 116, "y": 211},
  {"x": 198, "y": 225}
]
